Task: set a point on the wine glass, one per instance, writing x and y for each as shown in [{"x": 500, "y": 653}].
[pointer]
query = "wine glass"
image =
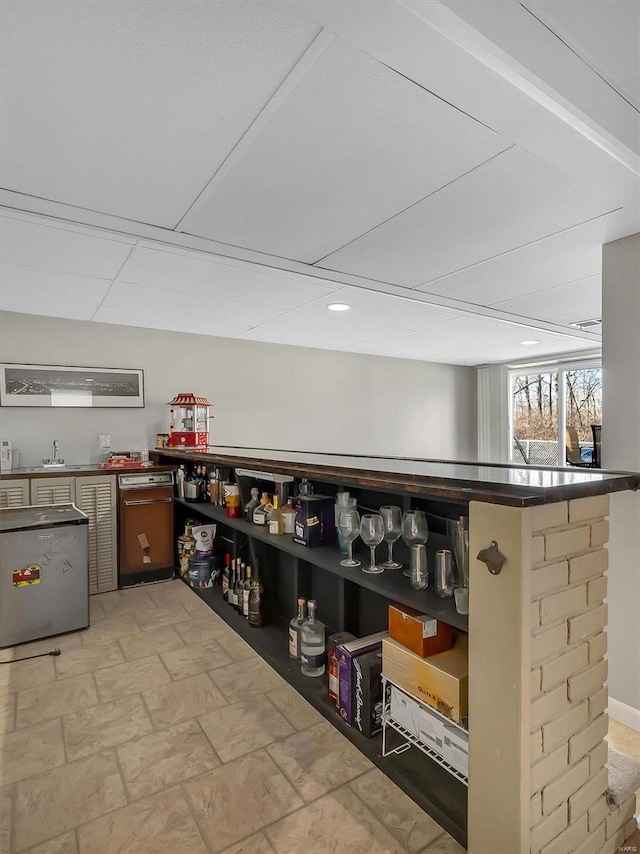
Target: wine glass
[
  {"x": 392, "y": 522},
  {"x": 349, "y": 527},
  {"x": 372, "y": 533},
  {"x": 415, "y": 530}
]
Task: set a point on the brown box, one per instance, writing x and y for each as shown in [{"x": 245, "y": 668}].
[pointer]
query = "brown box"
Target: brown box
[
  {"x": 441, "y": 681},
  {"x": 421, "y": 634}
]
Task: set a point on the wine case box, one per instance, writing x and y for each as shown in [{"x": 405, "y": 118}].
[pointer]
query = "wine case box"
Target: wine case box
[
  {"x": 440, "y": 681},
  {"x": 345, "y": 654},
  {"x": 421, "y": 634},
  {"x": 367, "y": 693},
  {"x": 446, "y": 740},
  {"x": 315, "y": 519}
]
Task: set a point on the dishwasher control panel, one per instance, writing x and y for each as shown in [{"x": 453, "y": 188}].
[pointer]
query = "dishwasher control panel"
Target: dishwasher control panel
[{"x": 145, "y": 480}]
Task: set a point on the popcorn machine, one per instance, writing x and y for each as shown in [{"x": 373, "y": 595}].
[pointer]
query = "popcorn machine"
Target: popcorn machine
[{"x": 189, "y": 421}]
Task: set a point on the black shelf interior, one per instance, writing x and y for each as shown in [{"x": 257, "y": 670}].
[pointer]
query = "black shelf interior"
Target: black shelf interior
[
  {"x": 436, "y": 791},
  {"x": 390, "y": 584}
]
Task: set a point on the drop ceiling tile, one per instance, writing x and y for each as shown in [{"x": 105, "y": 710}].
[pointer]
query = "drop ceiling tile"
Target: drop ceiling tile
[
  {"x": 353, "y": 144},
  {"x": 58, "y": 248},
  {"x": 383, "y": 310},
  {"x": 565, "y": 257},
  {"x": 161, "y": 317},
  {"x": 129, "y": 108},
  {"x": 216, "y": 311},
  {"x": 584, "y": 295},
  {"x": 295, "y": 327},
  {"x": 203, "y": 275},
  {"x": 513, "y": 199},
  {"x": 48, "y": 306},
  {"x": 35, "y": 284}
]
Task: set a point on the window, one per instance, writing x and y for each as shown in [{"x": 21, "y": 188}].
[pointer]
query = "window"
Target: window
[{"x": 549, "y": 406}]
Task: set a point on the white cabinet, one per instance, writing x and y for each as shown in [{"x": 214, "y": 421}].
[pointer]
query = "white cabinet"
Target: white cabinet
[
  {"x": 96, "y": 496},
  {"x": 14, "y": 493},
  {"x": 53, "y": 490}
]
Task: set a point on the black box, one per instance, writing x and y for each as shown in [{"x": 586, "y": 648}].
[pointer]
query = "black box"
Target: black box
[
  {"x": 367, "y": 693},
  {"x": 315, "y": 519}
]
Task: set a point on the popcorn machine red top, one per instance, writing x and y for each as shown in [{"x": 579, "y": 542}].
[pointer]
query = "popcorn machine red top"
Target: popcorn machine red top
[{"x": 189, "y": 421}]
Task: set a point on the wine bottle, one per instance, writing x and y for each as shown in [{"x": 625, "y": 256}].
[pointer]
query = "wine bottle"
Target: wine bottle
[
  {"x": 255, "y": 601},
  {"x": 246, "y": 590},
  {"x": 231, "y": 596},
  {"x": 238, "y": 588}
]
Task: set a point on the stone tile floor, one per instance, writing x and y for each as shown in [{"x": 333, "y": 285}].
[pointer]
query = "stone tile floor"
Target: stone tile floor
[{"x": 160, "y": 731}]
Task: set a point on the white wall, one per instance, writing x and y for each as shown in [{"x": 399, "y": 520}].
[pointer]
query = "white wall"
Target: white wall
[
  {"x": 264, "y": 395},
  {"x": 621, "y": 450}
]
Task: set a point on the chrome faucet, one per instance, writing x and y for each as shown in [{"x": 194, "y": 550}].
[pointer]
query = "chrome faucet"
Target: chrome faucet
[{"x": 56, "y": 448}]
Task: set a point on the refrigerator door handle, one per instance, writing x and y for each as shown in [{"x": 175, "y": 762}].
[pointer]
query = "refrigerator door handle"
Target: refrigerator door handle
[{"x": 149, "y": 501}]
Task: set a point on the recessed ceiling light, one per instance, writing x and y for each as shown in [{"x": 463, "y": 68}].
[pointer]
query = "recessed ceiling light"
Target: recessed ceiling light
[
  {"x": 338, "y": 306},
  {"x": 529, "y": 343}
]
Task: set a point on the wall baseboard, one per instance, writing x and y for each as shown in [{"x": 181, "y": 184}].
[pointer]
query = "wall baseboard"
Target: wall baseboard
[{"x": 624, "y": 714}]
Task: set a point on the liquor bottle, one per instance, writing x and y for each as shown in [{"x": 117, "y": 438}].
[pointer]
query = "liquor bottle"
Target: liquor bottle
[
  {"x": 305, "y": 488},
  {"x": 295, "y": 626},
  {"x": 255, "y": 601},
  {"x": 313, "y": 653},
  {"x": 226, "y": 573},
  {"x": 202, "y": 486},
  {"x": 246, "y": 589},
  {"x": 252, "y": 504},
  {"x": 274, "y": 518},
  {"x": 238, "y": 588},
  {"x": 231, "y": 596},
  {"x": 260, "y": 513}
]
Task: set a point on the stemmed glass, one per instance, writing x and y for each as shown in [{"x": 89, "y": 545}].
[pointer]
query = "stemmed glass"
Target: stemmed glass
[
  {"x": 392, "y": 523},
  {"x": 415, "y": 530},
  {"x": 349, "y": 526},
  {"x": 372, "y": 533}
]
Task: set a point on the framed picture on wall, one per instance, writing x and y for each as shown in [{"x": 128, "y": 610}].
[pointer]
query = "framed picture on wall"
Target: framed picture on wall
[{"x": 60, "y": 385}]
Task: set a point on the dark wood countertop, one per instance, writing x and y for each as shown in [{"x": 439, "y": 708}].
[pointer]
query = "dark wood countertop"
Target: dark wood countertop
[
  {"x": 80, "y": 471},
  {"x": 457, "y": 481}
]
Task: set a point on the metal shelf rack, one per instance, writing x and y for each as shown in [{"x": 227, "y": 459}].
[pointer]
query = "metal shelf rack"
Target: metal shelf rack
[{"x": 410, "y": 739}]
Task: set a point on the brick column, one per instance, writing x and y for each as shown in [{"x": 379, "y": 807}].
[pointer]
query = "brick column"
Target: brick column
[
  {"x": 569, "y": 813},
  {"x": 537, "y": 683}
]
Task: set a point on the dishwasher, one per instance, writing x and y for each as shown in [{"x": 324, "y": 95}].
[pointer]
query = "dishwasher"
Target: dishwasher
[
  {"x": 44, "y": 572},
  {"x": 145, "y": 522}
]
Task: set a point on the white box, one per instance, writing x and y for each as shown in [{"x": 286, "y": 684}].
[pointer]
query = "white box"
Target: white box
[
  {"x": 405, "y": 711},
  {"x": 432, "y": 730},
  {"x": 456, "y": 749},
  {"x": 6, "y": 460}
]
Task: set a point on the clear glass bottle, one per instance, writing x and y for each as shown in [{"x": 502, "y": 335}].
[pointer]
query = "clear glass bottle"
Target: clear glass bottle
[
  {"x": 295, "y": 626},
  {"x": 252, "y": 504},
  {"x": 305, "y": 488},
  {"x": 313, "y": 646},
  {"x": 275, "y": 520}
]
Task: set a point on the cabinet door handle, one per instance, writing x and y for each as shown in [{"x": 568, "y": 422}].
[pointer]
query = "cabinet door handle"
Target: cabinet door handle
[{"x": 149, "y": 501}]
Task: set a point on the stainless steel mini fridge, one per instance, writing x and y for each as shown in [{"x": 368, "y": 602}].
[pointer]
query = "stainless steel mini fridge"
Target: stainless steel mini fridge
[{"x": 44, "y": 572}]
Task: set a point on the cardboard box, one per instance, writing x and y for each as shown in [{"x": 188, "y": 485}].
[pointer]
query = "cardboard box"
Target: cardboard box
[
  {"x": 315, "y": 519},
  {"x": 456, "y": 749},
  {"x": 421, "y": 634},
  {"x": 446, "y": 740},
  {"x": 367, "y": 693},
  {"x": 333, "y": 668},
  {"x": 440, "y": 681},
  {"x": 405, "y": 711},
  {"x": 345, "y": 653}
]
